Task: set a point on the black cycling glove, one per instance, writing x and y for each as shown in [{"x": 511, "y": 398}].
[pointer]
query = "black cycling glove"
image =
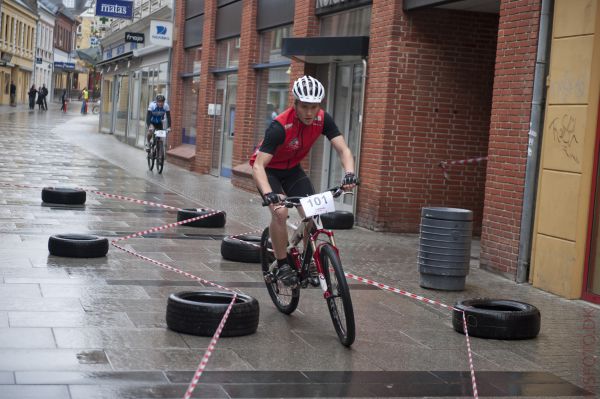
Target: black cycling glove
[
  {"x": 271, "y": 198},
  {"x": 349, "y": 178}
]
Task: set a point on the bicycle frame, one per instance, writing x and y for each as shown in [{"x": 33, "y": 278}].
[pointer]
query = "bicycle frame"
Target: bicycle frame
[{"x": 297, "y": 236}]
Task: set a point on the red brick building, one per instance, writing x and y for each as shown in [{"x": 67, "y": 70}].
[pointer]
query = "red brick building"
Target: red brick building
[{"x": 411, "y": 84}]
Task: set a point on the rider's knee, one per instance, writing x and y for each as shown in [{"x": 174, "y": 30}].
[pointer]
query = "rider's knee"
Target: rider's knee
[{"x": 280, "y": 216}]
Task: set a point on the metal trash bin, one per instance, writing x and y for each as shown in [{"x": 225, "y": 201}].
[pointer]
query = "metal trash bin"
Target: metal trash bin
[{"x": 445, "y": 248}]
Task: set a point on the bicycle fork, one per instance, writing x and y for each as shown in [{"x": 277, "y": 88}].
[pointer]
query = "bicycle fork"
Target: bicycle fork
[{"x": 322, "y": 282}]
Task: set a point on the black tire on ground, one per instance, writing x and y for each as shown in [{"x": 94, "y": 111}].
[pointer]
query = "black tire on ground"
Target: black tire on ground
[
  {"x": 216, "y": 220},
  {"x": 77, "y": 246},
  {"x": 200, "y": 312},
  {"x": 338, "y": 220},
  {"x": 67, "y": 196},
  {"x": 497, "y": 319},
  {"x": 241, "y": 249}
]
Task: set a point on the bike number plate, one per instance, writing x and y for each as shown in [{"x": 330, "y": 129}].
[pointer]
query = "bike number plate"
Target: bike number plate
[
  {"x": 160, "y": 133},
  {"x": 318, "y": 204}
]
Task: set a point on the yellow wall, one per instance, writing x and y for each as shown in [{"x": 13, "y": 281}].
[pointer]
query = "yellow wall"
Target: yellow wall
[{"x": 567, "y": 154}]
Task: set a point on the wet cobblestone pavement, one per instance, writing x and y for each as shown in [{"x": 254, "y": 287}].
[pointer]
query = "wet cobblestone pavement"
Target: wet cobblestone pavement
[{"x": 95, "y": 328}]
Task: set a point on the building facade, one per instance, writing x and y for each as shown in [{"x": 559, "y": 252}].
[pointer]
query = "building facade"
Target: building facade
[
  {"x": 17, "y": 48},
  {"x": 44, "y": 54},
  {"x": 65, "y": 72},
  {"x": 443, "y": 103},
  {"x": 133, "y": 73}
]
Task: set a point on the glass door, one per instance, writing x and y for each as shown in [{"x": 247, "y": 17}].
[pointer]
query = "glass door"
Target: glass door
[
  {"x": 228, "y": 125},
  {"x": 132, "y": 128},
  {"x": 346, "y": 110},
  {"x": 215, "y": 110}
]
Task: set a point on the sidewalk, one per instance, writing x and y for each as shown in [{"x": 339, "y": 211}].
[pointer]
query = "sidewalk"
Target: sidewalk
[{"x": 118, "y": 346}]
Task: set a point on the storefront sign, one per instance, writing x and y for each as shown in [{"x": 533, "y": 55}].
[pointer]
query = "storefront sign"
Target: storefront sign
[
  {"x": 64, "y": 65},
  {"x": 161, "y": 33},
  {"x": 114, "y": 9},
  {"x": 38, "y": 60},
  {"x": 134, "y": 37}
]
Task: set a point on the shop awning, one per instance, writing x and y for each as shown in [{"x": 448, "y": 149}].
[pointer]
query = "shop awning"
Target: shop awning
[
  {"x": 90, "y": 55},
  {"x": 323, "y": 50},
  {"x": 118, "y": 58},
  {"x": 490, "y": 6}
]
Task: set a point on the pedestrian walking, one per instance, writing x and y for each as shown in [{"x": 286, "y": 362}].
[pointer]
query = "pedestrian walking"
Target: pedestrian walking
[
  {"x": 13, "y": 94},
  {"x": 45, "y": 91},
  {"x": 63, "y": 100},
  {"x": 32, "y": 94},
  {"x": 84, "y": 100}
]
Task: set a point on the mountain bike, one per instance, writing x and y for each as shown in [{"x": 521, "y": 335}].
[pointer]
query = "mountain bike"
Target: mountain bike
[
  {"x": 157, "y": 150},
  {"x": 316, "y": 261}
]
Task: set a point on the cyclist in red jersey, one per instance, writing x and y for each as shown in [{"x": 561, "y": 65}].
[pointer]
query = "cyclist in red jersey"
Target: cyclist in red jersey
[{"x": 276, "y": 162}]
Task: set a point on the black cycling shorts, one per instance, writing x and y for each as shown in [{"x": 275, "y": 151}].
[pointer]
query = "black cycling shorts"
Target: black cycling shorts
[{"x": 291, "y": 182}]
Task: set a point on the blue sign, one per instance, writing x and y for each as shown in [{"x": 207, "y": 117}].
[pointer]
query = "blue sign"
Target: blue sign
[
  {"x": 114, "y": 9},
  {"x": 64, "y": 65}
]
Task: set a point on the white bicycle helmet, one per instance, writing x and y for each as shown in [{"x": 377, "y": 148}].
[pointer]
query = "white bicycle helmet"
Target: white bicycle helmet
[{"x": 308, "y": 90}]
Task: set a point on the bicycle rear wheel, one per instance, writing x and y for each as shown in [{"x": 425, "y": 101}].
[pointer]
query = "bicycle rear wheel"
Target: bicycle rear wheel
[
  {"x": 285, "y": 298},
  {"x": 339, "y": 302},
  {"x": 151, "y": 156},
  {"x": 160, "y": 156}
]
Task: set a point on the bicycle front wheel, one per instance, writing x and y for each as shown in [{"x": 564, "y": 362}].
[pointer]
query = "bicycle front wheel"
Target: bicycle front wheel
[
  {"x": 160, "y": 156},
  {"x": 285, "y": 298},
  {"x": 339, "y": 301},
  {"x": 150, "y": 157}
]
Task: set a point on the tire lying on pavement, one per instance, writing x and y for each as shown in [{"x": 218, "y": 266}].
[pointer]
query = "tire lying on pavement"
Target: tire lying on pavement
[
  {"x": 216, "y": 220},
  {"x": 497, "y": 318},
  {"x": 77, "y": 246},
  {"x": 67, "y": 196},
  {"x": 241, "y": 249},
  {"x": 200, "y": 313},
  {"x": 338, "y": 220}
]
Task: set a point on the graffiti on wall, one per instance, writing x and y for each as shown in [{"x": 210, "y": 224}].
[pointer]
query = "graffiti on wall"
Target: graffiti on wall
[{"x": 563, "y": 131}]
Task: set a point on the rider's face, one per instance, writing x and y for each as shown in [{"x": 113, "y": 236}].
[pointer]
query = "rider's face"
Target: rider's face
[
  {"x": 160, "y": 103},
  {"x": 307, "y": 112}
]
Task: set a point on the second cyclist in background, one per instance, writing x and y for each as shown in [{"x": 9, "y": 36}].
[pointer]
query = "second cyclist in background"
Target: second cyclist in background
[{"x": 158, "y": 110}]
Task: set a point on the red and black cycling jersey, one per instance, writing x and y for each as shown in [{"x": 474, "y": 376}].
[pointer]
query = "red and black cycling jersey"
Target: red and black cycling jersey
[{"x": 289, "y": 140}]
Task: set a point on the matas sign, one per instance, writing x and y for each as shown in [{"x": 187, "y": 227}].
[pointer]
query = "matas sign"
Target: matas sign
[{"x": 114, "y": 9}]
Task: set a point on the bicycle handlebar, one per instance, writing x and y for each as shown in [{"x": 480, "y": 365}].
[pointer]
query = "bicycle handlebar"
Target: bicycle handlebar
[{"x": 290, "y": 202}]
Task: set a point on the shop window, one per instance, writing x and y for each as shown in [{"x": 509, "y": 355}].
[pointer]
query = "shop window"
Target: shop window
[
  {"x": 272, "y": 82},
  {"x": 191, "y": 89},
  {"x": 228, "y": 53},
  {"x": 355, "y": 22}
]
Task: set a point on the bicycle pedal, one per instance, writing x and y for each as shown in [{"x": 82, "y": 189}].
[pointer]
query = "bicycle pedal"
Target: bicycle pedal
[{"x": 269, "y": 278}]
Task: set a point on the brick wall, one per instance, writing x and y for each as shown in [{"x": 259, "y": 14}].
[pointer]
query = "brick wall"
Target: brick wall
[
  {"x": 177, "y": 64},
  {"x": 428, "y": 99},
  {"x": 513, "y": 88},
  {"x": 204, "y": 138},
  {"x": 245, "y": 117}
]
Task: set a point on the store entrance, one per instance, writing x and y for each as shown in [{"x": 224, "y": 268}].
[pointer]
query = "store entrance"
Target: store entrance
[{"x": 345, "y": 105}]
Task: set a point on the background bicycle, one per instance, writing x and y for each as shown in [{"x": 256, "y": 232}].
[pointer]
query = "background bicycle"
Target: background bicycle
[
  {"x": 96, "y": 107},
  {"x": 316, "y": 260}
]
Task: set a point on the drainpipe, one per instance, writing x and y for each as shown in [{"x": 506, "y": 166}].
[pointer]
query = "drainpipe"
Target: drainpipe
[{"x": 535, "y": 135}]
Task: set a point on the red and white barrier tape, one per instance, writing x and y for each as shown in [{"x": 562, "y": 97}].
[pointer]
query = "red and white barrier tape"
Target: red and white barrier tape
[
  {"x": 444, "y": 164},
  {"x": 209, "y": 351},
  {"x": 217, "y": 334},
  {"x": 432, "y": 302}
]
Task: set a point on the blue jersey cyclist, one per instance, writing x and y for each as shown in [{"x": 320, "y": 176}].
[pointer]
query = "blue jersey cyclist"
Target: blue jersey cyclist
[
  {"x": 276, "y": 163},
  {"x": 157, "y": 111}
]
